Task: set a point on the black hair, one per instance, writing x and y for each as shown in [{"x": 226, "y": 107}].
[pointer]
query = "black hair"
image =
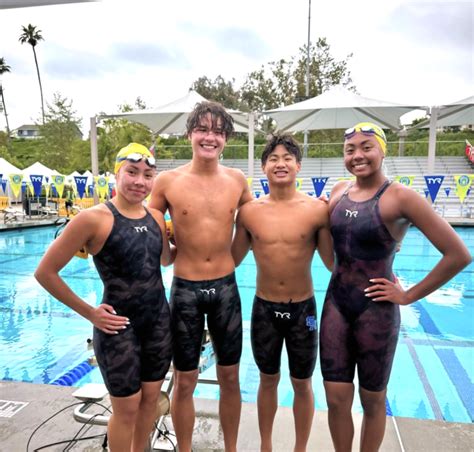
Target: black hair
[
  {"x": 284, "y": 139},
  {"x": 217, "y": 112}
]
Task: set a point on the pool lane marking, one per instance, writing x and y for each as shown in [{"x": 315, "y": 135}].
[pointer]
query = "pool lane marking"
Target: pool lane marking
[
  {"x": 422, "y": 375},
  {"x": 453, "y": 367},
  {"x": 397, "y": 432}
]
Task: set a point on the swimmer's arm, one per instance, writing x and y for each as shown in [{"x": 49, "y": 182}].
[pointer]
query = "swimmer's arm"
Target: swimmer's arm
[
  {"x": 158, "y": 199},
  {"x": 325, "y": 247},
  {"x": 246, "y": 195},
  {"x": 168, "y": 252},
  {"x": 241, "y": 241},
  {"x": 455, "y": 255},
  {"x": 75, "y": 236}
]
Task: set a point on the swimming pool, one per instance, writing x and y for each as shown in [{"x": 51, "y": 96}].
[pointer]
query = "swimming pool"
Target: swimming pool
[{"x": 43, "y": 341}]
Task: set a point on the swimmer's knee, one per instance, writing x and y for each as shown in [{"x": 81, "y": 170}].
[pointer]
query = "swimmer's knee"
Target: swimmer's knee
[
  {"x": 269, "y": 381},
  {"x": 228, "y": 376},
  {"x": 185, "y": 382},
  {"x": 339, "y": 395},
  {"x": 302, "y": 386},
  {"x": 372, "y": 401}
]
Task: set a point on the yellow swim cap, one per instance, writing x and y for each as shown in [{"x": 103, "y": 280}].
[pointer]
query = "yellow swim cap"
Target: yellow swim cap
[
  {"x": 133, "y": 148},
  {"x": 368, "y": 128}
]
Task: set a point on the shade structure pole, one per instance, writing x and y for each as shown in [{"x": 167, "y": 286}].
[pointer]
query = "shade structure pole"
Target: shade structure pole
[
  {"x": 305, "y": 143},
  {"x": 251, "y": 152},
  {"x": 432, "y": 139},
  {"x": 94, "y": 153}
]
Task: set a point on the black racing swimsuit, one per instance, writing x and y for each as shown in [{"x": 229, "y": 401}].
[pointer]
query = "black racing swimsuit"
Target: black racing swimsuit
[
  {"x": 354, "y": 329},
  {"x": 129, "y": 266}
]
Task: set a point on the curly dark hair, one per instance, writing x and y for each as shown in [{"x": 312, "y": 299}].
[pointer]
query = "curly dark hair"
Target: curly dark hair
[
  {"x": 286, "y": 140},
  {"x": 217, "y": 112}
]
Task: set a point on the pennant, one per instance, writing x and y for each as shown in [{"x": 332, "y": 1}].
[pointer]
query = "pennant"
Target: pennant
[
  {"x": 81, "y": 182},
  {"x": 405, "y": 180},
  {"x": 299, "y": 183},
  {"x": 111, "y": 189},
  {"x": 3, "y": 183},
  {"x": 427, "y": 192},
  {"x": 310, "y": 193},
  {"x": 250, "y": 182},
  {"x": 37, "y": 182},
  {"x": 59, "y": 181},
  {"x": 30, "y": 188},
  {"x": 15, "y": 183},
  {"x": 46, "y": 189},
  {"x": 264, "y": 182},
  {"x": 328, "y": 194},
  {"x": 463, "y": 183},
  {"x": 447, "y": 190},
  {"x": 257, "y": 194},
  {"x": 101, "y": 183},
  {"x": 433, "y": 184},
  {"x": 319, "y": 183}
]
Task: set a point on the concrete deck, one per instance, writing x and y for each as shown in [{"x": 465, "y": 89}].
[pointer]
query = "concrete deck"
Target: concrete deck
[{"x": 402, "y": 434}]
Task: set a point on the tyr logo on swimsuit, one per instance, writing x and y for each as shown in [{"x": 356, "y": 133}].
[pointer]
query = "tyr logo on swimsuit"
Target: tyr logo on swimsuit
[
  {"x": 282, "y": 315},
  {"x": 208, "y": 291},
  {"x": 140, "y": 229},
  {"x": 351, "y": 213}
]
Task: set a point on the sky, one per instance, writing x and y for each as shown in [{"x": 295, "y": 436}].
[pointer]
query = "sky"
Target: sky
[{"x": 105, "y": 54}]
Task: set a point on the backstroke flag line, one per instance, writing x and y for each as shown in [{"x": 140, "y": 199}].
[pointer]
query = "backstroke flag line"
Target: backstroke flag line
[
  {"x": 463, "y": 183},
  {"x": 433, "y": 184}
]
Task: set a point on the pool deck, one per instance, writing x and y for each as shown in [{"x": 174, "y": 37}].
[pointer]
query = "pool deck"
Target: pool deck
[{"x": 402, "y": 434}]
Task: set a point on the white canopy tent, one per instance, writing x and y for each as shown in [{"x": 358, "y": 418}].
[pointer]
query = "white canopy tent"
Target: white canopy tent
[
  {"x": 6, "y": 168},
  {"x": 458, "y": 113},
  {"x": 171, "y": 118},
  {"x": 38, "y": 169},
  {"x": 338, "y": 108}
]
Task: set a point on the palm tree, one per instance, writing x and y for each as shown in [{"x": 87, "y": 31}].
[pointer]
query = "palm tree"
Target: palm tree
[
  {"x": 32, "y": 36},
  {"x": 4, "y": 68}
]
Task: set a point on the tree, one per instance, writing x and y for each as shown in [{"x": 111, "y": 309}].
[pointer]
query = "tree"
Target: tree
[
  {"x": 59, "y": 133},
  {"x": 218, "y": 90},
  {"x": 32, "y": 36},
  {"x": 3, "y": 69},
  {"x": 283, "y": 82},
  {"x": 117, "y": 133}
]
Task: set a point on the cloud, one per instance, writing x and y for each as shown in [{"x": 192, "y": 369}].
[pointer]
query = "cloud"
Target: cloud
[
  {"x": 444, "y": 25},
  {"x": 148, "y": 54}
]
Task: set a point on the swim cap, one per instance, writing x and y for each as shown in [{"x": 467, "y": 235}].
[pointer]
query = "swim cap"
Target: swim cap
[
  {"x": 132, "y": 148},
  {"x": 370, "y": 129}
]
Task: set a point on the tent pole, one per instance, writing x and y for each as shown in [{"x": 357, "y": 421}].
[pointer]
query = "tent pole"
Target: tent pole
[{"x": 251, "y": 152}]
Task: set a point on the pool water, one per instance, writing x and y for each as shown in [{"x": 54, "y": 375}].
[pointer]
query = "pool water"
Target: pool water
[{"x": 43, "y": 341}]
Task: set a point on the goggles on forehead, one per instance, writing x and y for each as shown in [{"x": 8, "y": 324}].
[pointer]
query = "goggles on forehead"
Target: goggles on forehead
[
  {"x": 136, "y": 157},
  {"x": 366, "y": 130}
]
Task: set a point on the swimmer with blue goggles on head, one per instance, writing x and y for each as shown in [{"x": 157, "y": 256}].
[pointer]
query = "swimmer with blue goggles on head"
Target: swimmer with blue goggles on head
[{"x": 134, "y": 152}]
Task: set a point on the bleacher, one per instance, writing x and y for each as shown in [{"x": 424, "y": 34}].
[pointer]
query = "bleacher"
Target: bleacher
[{"x": 333, "y": 168}]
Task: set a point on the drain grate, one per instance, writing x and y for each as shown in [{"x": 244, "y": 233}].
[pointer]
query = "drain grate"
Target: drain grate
[{"x": 9, "y": 408}]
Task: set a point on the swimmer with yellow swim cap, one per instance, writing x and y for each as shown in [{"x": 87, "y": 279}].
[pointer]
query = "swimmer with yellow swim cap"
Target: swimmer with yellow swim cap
[
  {"x": 368, "y": 129},
  {"x": 128, "y": 242},
  {"x": 134, "y": 152},
  {"x": 369, "y": 218}
]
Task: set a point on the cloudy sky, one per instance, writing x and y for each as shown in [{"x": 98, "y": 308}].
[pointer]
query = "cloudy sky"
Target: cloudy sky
[{"x": 104, "y": 54}]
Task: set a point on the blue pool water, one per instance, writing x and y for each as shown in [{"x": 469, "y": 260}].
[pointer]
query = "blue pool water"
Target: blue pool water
[{"x": 43, "y": 341}]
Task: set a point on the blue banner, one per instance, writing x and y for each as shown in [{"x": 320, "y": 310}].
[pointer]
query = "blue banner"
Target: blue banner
[
  {"x": 264, "y": 182},
  {"x": 447, "y": 190},
  {"x": 81, "y": 185},
  {"x": 37, "y": 182},
  {"x": 319, "y": 183},
  {"x": 434, "y": 183}
]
